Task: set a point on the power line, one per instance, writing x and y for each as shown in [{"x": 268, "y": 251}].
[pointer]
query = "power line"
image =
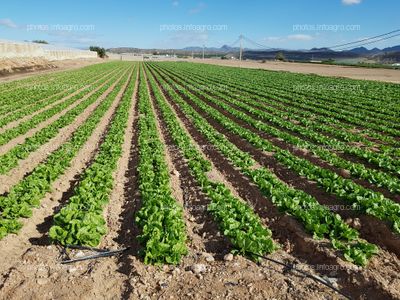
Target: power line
[
  {"x": 368, "y": 43},
  {"x": 258, "y": 44},
  {"x": 359, "y": 43},
  {"x": 363, "y": 40}
]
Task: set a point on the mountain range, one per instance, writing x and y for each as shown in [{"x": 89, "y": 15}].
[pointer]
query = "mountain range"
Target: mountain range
[{"x": 385, "y": 55}]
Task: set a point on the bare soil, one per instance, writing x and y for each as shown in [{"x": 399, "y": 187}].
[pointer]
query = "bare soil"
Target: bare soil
[
  {"x": 14, "y": 69},
  {"x": 385, "y": 75}
]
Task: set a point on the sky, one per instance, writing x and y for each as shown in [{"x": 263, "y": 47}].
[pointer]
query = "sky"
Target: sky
[{"x": 289, "y": 24}]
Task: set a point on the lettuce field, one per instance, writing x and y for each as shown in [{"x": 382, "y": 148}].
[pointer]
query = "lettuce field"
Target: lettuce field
[{"x": 184, "y": 165}]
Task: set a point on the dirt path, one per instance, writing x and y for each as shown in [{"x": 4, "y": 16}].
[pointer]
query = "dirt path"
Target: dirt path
[
  {"x": 40, "y": 67},
  {"x": 385, "y": 75}
]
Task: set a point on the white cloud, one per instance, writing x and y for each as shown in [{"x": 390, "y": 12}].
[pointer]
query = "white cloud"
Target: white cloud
[
  {"x": 273, "y": 38},
  {"x": 351, "y": 2},
  {"x": 293, "y": 37},
  {"x": 300, "y": 37},
  {"x": 8, "y": 23}
]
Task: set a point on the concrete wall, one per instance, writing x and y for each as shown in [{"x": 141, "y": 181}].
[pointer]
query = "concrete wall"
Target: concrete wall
[
  {"x": 30, "y": 50},
  {"x": 125, "y": 56}
]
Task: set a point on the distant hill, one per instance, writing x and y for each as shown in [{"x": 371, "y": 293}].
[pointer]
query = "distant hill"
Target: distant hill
[
  {"x": 224, "y": 48},
  {"x": 387, "y": 55},
  {"x": 363, "y": 50},
  {"x": 391, "y": 49},
  {"x": 120, "y": 50}
]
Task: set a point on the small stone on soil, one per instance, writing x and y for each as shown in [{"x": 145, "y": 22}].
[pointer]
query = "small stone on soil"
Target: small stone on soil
[
  {"x": 72, "y": 270},
  {"x": 209, "y": 258},
  {"x": 198, "y": 268},
  {"x": 42, "y": 281},
  {"x": 228, "y": 257}
]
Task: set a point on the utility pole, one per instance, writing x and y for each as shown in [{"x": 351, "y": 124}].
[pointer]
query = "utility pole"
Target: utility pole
[
  {"x": 203, "y": 51},
  {"x": 241, "y": 50},
  {"x": 192, "y": 54}
]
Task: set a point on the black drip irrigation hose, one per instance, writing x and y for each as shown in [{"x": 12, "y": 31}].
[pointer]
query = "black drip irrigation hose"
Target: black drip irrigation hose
[
  {"x": 108, "y": 253},
  {"x": 86, "y": 248},
  {"x": 101, "y": 253},
  {"x": 311, "y": 276}
]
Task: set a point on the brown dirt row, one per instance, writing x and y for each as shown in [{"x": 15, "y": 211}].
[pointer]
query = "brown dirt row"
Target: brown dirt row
[
  {"x": 31, "y": 261},
  {"x": 38, "y": 81},
  {"x": 303, "y": 153},
  {"x": 186, "y": 191},
  {"x": 27, "y": 165},
  {"x": 371, "y": 228},
  {"x": 34, "y": 67},
  {"x": 384, "y": 75},
  {"x": 246, "y": 283},
  {"x": 16, "y": 122},
  {"x": 332, "y": 125},
  {"x": 290, "y": 231},
  {"x": 51, "y": 105}
]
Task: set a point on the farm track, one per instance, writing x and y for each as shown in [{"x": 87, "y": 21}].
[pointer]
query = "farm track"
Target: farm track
[
  {"x": 305, "y": 248},
  {"x": 32, "y": 261}
]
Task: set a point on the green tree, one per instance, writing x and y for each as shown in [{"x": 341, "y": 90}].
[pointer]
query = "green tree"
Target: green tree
[
  {"x": 101, "y": 52},
  {"x": 40, "y": 42},
  {"x": 280, "y": 56}
]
